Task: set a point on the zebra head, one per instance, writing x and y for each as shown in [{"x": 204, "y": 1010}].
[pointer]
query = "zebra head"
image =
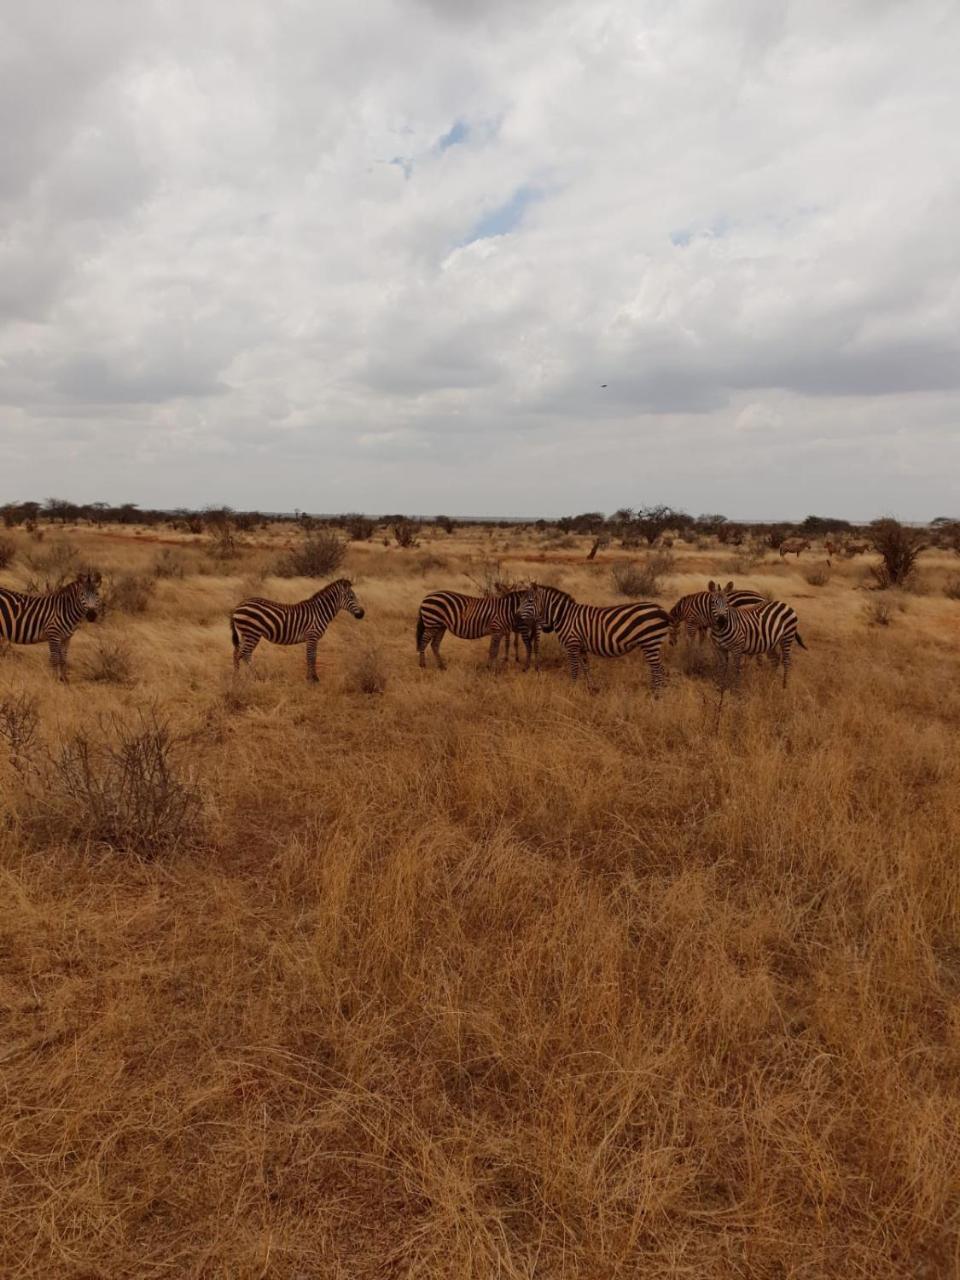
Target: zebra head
[
  {"x": 718, "y": 603},
  {"x": 348, "y": 599},
  {"x": 88, "y": 595},
  {"x": 548, "y": 604}
]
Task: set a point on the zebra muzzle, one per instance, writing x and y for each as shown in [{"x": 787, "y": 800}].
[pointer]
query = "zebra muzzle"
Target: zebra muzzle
[{"x": 91, "y": 615}]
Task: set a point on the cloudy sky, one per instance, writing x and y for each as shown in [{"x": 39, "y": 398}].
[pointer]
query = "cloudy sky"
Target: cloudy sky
[{"x": 385, "y": 256}]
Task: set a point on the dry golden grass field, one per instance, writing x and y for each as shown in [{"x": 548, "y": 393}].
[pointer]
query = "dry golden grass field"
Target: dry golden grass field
[{"x": 477, "y": 974}]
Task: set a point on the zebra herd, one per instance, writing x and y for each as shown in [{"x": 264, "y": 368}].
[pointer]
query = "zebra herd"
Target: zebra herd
[{"x": 740, "y": 623}]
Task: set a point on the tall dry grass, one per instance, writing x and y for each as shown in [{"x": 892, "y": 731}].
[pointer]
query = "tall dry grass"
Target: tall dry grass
[{"x": 484, "y": 975}]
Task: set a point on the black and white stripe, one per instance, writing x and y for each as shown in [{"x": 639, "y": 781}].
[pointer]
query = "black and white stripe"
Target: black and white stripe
[
  {"x": 257, "y": 619},
  {"x": 472, "y": 618},
  {"x": 30, "y": 619},
  {"x": 694, "y": 612},
  {"x": 605, "y": 630},
  {"x": 768, "y": 628}
]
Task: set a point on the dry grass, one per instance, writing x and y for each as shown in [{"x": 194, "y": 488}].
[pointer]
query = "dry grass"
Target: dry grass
[{"x": 484, "y": 976}]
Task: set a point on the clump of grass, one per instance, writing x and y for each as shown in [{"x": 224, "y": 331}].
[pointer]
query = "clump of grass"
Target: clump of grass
[
  {"x": 57, "y": 563},
  {"x": 8, "y": 549},
  {"x": 367, "y": 672},
  {"x": 110, "y": 663},
  {"x": 878, "y": 613},
  {"x": 169, "y": 564},
  {"x": 428, "y": 562},
  {"x": 818, "y": 576},
  {"x": 130, "y": 593},
  {"x": 318, "y": 556},
  {"x": 642, "y": 578}
]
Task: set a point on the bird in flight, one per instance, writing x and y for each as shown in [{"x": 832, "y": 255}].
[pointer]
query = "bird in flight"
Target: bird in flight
[{"x": 602, "y": 386}]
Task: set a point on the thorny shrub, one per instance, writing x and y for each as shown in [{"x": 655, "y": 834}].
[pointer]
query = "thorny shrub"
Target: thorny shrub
[
  {"x": 129, "y": 593},
  {"x": 817, "y": 576},
  {"x": 899, "y": 548},
  {"x": 122, "y": 789},
  {"x": 317, "y": 557},
  {"x": 367, "y": 673},
  {"x": 110, "y": 663},
  {"x": 642, "y": 578}
]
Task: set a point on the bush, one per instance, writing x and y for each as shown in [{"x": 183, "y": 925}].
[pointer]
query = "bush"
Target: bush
[
  {"x": 952, "y": 589},
  {"x": 317, "y": 557},
  {"x": 367, "y": 673},
  {"x": 123, "y": 790},
  {"x": 19, "y": 721},
  {"x": 130, "y": 593},
  {"x": 898, "y": 548},
  {"x": 642, "y": 578},
  {"x": 405, "y": 531},
  {"x": 57, "y": 564},
  {"x": 817, "y": 577},
  {"x": 110, "y": 664},
  {"x": 8, "y": 549},
  {"x": 358, "y": 528}
]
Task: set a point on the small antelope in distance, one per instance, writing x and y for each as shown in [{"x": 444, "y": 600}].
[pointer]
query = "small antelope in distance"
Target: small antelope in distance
[
  {"x": 769, "y": 628},
  {"x": 793, "y": 546},
  {"x": 257, "y": 619},
  {"x": 605, "y": 630},
  {"x": 472, "y": 618},
  {"x": 30, "y": 619}
]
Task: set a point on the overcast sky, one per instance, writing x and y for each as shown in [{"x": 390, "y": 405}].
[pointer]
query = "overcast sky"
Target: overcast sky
[{"x": 385, "y": 256}]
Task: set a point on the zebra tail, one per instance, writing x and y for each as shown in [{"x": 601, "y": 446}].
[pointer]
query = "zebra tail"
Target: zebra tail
[
  {"x": 420, "y": 630},
  {"x": 799, "y": 640},
  {"x": 233, "y": 634}
]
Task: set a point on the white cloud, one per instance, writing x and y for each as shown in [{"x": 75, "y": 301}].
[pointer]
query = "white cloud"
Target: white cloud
[{"x": 235, "y": 260}]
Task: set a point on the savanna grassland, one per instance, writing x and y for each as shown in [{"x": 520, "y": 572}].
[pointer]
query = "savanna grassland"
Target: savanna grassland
[{"x": 477, "y": 974}]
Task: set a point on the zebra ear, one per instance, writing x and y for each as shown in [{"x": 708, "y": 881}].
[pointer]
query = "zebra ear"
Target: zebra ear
[
  {"x": 728, "y": 587},
  {"x": 711, "y": 585}
]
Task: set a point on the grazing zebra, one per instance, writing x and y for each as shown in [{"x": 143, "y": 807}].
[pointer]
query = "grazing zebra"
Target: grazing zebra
[
  {"x": 694, "y": 610},
  {"x": 793, "y": 546},
  {"x": 471, "y": 618},
  {"x": 29, "y": 619},
  {"x": 256, "y": 619},
  {"x": 606, "y": 630},
  {"x": 769, "y": 628}
]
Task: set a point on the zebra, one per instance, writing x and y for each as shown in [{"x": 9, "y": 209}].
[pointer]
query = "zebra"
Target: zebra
[
  {"x": 470, "y": 618},
  {"x": 606, "y": 630},
  {"x": 768, "y": 628},
  {"x": 30, "y": 619},
  {"x": 694, "y": 610},
  {"x": 256, "y": 619}
]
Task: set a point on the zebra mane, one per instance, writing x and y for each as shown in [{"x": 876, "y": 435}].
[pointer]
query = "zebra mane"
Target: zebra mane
[{"x": 553, "y": 591}]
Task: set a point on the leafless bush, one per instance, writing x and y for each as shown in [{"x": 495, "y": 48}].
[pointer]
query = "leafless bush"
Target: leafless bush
[
  {"x": 358, "y": 528},
  {"x": 643, "y": 578},
  {"x": 405, "y": 532},
  {"x": 122, "y": 789},
  {"x": 488, "y": 577},
  {"x": 898, "y": 548},
  {"x": 110, "y": 663},
  {"x": 317, "y": 557},
  {"x": 169, "y": 564},
  {"x": 130, "y": 593},
  {"x": 225, "y": 544},
  {"x": 738, "y": 565},
  {"x": 367, "y": 672},
  {"x": 57, "y": 564},
  {"x": 428, "y": 562},
  {"x": 8, "y": 549},
  {"x": 19, "y": 721},
  {"x": 818, "y": 576}
]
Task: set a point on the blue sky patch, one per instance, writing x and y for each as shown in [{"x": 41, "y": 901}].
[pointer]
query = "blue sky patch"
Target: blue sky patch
[{"x": 504, "y": 219}]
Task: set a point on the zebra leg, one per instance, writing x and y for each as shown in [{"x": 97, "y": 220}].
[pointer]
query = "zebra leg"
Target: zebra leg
[
  {"x": 312, "y": 658},
  {"x": 58, "y": 658},
  {"x": 495, "y": 648},
  {"x": 528, "y": 646},
  {"x": 573, "y": 655},
  {"x": 244, "y": 651},
  {"x": 435, "y": 639},
  {"x": 658, "y": 676},
  {"x": 786, "y": 646}
]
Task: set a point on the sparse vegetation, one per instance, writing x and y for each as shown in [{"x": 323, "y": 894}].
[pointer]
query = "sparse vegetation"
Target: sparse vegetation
[
  {"x": 111, "y": 663},
  {"x": 439, "y": 973},
  {"x": 129, "y": 593},
  {"x": 818, "y": 576},
  {"x": 899, "y": 549},
  {"x": 8, "y": 549},
  {"x": 643, "y": 579}
]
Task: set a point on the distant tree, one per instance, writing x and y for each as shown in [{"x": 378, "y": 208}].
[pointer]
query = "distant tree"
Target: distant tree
[
  {"x": 61, "y": 509},
  {"x": 650, "y": 522},
  {"x": 405, "y": 531},
  {"x": 710, "y": 524},
  {"x": 815, "y": 525},
  {"x": 445, "y": 523},
  {"x": 359, "y": 528}
]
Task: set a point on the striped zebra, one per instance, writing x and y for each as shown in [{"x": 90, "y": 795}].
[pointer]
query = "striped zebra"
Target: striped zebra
[
  {"x": 257, "y": 619},
  {"x": 694, "y": 611},
  {"x": 606, "y": 630},
  {"x": 471, "y": 618},
  {"x": 30, "y": 619},
  {"x": 769, "y": 628}
]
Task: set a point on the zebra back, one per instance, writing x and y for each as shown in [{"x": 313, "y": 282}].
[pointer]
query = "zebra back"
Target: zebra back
[{"x": 470, "y": 617}]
